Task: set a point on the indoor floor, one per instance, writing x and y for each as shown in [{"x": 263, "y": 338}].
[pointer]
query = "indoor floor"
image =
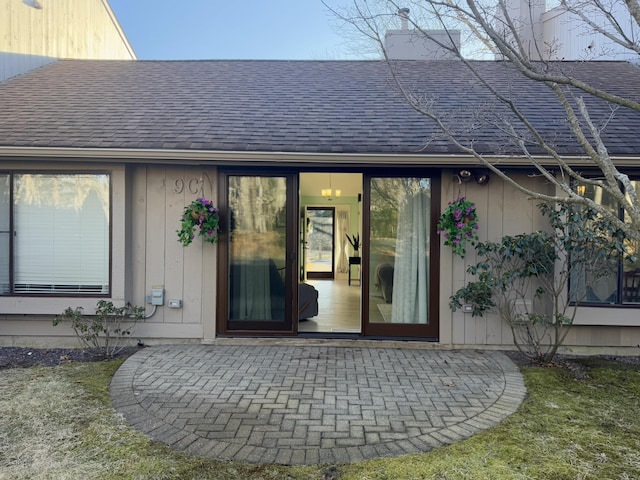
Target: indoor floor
[{"x": 339, "y": 307}]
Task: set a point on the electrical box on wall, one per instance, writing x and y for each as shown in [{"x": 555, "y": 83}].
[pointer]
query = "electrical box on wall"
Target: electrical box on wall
[{"x": 157, "y": 295}]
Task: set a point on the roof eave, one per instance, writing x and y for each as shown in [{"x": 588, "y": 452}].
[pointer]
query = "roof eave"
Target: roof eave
[{"x": 215, "y": 157}]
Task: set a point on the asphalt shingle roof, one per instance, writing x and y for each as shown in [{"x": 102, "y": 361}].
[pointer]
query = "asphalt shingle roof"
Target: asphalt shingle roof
[{"x": 293, "y": 106}]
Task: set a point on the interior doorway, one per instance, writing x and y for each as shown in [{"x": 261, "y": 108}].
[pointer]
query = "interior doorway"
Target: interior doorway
[
  {"x": 320, "y": 243},
  {"x": 330, "y": 209}
]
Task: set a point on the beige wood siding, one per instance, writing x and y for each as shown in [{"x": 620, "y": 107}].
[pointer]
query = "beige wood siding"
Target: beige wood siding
[
  {"x": 85, "y": 29},
  {"x": 159, "y": 196},
  {"x": 502, "y": 210},
  {"x": 25, "y": 319},
  {"x": 148, "y": 201},
  {"x": 146, "y": 253}
]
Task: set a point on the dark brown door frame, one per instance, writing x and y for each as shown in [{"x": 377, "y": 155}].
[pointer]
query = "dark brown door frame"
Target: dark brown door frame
[
  {"x": 262, "y": 328},
  {"x": 331, "y": 274},
  {"x": 431, "y": 330}
]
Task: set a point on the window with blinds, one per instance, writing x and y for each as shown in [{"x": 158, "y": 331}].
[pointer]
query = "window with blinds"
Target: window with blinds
[{"x": 60, "y": 239}]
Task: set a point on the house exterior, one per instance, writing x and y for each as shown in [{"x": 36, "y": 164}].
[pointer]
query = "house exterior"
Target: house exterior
[
  {"x": 36, "y": 32},
  {"x": 98, "y": 160}
]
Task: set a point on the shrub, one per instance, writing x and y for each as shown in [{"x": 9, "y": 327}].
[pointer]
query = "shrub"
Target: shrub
[
  {"x": 524, "y": 278},
  {"x": 107, "y": 332}
]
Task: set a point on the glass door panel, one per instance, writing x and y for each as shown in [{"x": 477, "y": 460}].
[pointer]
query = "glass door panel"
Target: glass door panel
[
  {"x": 258, "y": 248},
  {"x": 400, "y": 284}
]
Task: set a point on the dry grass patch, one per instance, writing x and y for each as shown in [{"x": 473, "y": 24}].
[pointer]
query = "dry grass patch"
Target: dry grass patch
[{"x": 57, "y": 422}]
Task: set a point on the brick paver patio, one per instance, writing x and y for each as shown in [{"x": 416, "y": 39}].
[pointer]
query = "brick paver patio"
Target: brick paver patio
[{"x": 313, "y": 404}]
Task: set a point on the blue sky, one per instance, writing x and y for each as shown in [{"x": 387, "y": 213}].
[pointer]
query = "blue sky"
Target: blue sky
[{"x": 232, "y": 29}]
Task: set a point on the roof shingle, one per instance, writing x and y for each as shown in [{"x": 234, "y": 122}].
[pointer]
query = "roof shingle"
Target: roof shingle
[{"x": 293, "y": 106}]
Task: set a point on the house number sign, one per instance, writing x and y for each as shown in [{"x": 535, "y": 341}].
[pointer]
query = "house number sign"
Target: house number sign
[{"x": 193, "y": 185}]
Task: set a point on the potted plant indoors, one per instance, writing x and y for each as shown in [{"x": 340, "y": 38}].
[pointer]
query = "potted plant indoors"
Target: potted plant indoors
[{"x": 354, "y": 240}]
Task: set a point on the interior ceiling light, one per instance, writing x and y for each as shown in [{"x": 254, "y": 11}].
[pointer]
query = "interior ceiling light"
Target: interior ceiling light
[{"x": 328, "y": 192}]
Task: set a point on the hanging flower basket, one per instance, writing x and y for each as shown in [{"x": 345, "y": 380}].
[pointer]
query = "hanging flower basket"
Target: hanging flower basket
[
  {"x": 459, "y": 225},
  {"x": 202, "y": 216}
]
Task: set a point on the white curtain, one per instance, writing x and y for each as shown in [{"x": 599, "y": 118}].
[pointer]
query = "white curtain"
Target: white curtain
[
  {"x": 411, "y": 273},
  {"x": 342, "y": 229}
]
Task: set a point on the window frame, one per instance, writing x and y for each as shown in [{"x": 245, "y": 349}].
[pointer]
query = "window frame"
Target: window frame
[
  {"x": 619, "y": 277},
  {"x": 12, "y": 173}
]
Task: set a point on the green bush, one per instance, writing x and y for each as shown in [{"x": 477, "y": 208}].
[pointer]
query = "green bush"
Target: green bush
[
  {"x": 107, "y": 332},
  {"x": 524, "y": 277}
]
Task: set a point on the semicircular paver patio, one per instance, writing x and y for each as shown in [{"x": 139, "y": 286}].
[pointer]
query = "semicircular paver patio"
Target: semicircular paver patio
[{"x": 313, "y": 404}]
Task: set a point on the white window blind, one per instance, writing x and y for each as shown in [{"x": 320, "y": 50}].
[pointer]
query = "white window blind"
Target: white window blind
[
  {"x": 61, "y": 225},
  {"x": 5, "y": 233}
]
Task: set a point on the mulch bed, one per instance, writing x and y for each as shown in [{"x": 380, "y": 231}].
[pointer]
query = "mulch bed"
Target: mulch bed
[{"x": 14, "y": 357}]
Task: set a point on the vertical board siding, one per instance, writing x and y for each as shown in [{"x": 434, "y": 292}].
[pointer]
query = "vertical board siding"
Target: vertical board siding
[
  {"x": 174, "y": 251},
  {"x": 496, "y": 334},
  {"x": 502, "y": 210},
  {"x": 193, "y": 296},
  {"x": 160, "y": 195},
  {"x": 84, "y": 29},
  {"x": 118, "y": 217},
  {"x": 156, "y": 226},
  {"x": 138, "y": 235}
]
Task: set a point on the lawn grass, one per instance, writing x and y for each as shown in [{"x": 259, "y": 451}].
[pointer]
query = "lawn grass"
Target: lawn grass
[{"x": 57, "y": 422}]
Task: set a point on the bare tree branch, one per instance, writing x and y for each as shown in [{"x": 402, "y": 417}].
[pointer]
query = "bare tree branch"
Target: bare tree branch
[{"x": 514, "y": 39}]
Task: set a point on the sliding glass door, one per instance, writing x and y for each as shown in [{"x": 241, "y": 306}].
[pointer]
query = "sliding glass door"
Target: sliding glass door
[
  {"x": 258, "y": 263},
  {"x": 257, "y": 253},
  {"x": 400, "y": 283}
]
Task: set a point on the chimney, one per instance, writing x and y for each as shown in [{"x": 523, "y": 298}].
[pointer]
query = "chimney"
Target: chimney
[
  {"x": 417, "y": 44},
  {"x": 403, "y": 13}
]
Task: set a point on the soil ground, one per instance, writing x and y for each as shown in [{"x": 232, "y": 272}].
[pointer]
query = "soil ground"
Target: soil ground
[{"x": 13, "y": 357}]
